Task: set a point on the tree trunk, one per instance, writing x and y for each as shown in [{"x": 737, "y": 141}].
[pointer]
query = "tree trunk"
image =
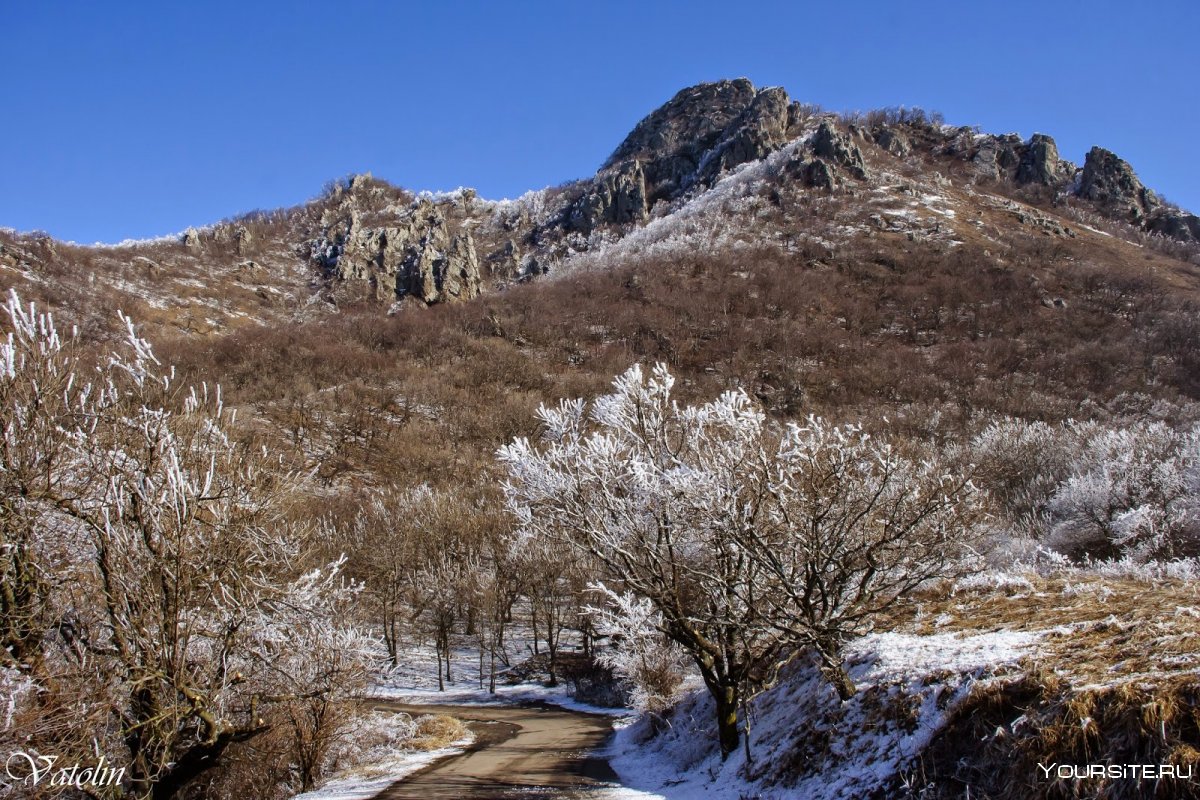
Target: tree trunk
[
  {"x": 727, "y": 719},
  {"x": 533, "y": 624},
  {"x": 835, "y": 673},
  {"x": 492, "y": 671},
  {"x": 438, "y": 649},
  {"x": 389, "y": 639}
]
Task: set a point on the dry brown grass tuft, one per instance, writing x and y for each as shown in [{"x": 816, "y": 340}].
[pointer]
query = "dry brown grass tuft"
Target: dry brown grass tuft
[
  {"x": 437, "y": 731},
  {"x": 1115, "y": 679}
]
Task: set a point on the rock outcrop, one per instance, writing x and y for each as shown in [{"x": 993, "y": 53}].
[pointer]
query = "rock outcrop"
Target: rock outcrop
[
  {"x": 1041, "y": 164},
  {"x": 1175, "y": 223},
  {"x": 505, "y": 262},
  {"x": 1110, "y": 182},
  {"x": 817, "y": 174},
  {"x": 243, "y": 240},
  {"x": 832, "y": 144},
  {"x": 893, "y": 141},
  {"x": 757, "y": 132},
  {"x": 617, "y": 196},
  {"x": 1009, "y": 158},
  {"x": 417, "y": 256},
  {"x": 997, "y": 156},
  {"x": 671, "y": 142},
  {"x": 691, "y": 140}
]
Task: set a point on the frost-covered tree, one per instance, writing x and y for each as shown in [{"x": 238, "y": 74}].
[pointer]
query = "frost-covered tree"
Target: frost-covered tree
[
  {"x": 748, "y": 541},
  {"x": 1091, "y": 490},
  {"x": 1021, "y": 464},
  {"x": 853, "y": 524},
  {"x": 171, "y": 610}
]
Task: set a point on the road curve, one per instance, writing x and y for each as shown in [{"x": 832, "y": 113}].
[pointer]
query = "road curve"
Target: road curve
[{"x": 535, "y": 752}]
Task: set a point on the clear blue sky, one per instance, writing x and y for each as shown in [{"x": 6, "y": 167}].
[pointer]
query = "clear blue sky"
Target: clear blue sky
[{"x": 132, "y": 119}]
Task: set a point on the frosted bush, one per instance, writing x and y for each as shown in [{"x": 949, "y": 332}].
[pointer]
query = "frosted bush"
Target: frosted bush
[
  {"x": 641, "y": 654},
  {"x": 1133, "y": 493}
]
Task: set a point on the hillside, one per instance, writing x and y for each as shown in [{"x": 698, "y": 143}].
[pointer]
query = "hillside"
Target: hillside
[{"x": 974, "y": 299}]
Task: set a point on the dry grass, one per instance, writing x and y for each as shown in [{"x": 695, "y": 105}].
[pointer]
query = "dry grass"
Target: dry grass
[
  {"x": 1115, "y": 679},
  {"x": 995, "y": 741},
  {"x": 1098, "y": 630},
  {"x": 437, "y": 731}
]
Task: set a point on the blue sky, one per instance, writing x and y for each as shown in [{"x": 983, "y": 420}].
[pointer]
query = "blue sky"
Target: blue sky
[{"x": 133, "y": 119}]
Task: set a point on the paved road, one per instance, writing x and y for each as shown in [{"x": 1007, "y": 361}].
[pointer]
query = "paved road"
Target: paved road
[{"x": 534, "y": 752}]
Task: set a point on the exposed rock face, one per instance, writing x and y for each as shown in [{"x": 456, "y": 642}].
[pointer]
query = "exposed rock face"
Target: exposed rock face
[
  {"x": 701, "y": 132},
  {"x": 997, "y": 156},
  {"x": 416, "y": 257},
  {"x": 1040, "y": 163},
  {"x": 832, "y": 144},
  {"x": 457, "y": 274},
  {"x": 757, "y": 132},
  {"x": 243, "y": 239},
  {"x": 505, "y": 262},
  {"x": 1175, "y": 224},
  {"x": 814, "y": 173},
  {"x": 818, "y": 175},
  {"x": 893, "y": 141},
  {"x": 1110, "y": 182},
  {"x": 617, "y": 196},
  {"x": 672, "y": 141},
  {"x": 191, "y": 239}
]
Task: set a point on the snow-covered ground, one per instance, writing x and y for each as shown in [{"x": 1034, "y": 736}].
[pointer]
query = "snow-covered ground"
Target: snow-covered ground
[
  {"x": 806, "y": 742},
  {"x": 371, "y": 779},
  {"x": 907, "y": 685},
  {"x": 848, "y": 749},
  {"x": 415, "y": 682}
]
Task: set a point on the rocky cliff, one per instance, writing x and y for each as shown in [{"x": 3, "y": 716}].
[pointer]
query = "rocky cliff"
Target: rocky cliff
[
  {"x": 407, "y": 252},
  {"x": 452, "y": 248}
]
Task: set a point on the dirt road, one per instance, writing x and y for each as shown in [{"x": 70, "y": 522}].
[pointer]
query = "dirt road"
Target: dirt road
[{"x": 532, "y": 752}]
